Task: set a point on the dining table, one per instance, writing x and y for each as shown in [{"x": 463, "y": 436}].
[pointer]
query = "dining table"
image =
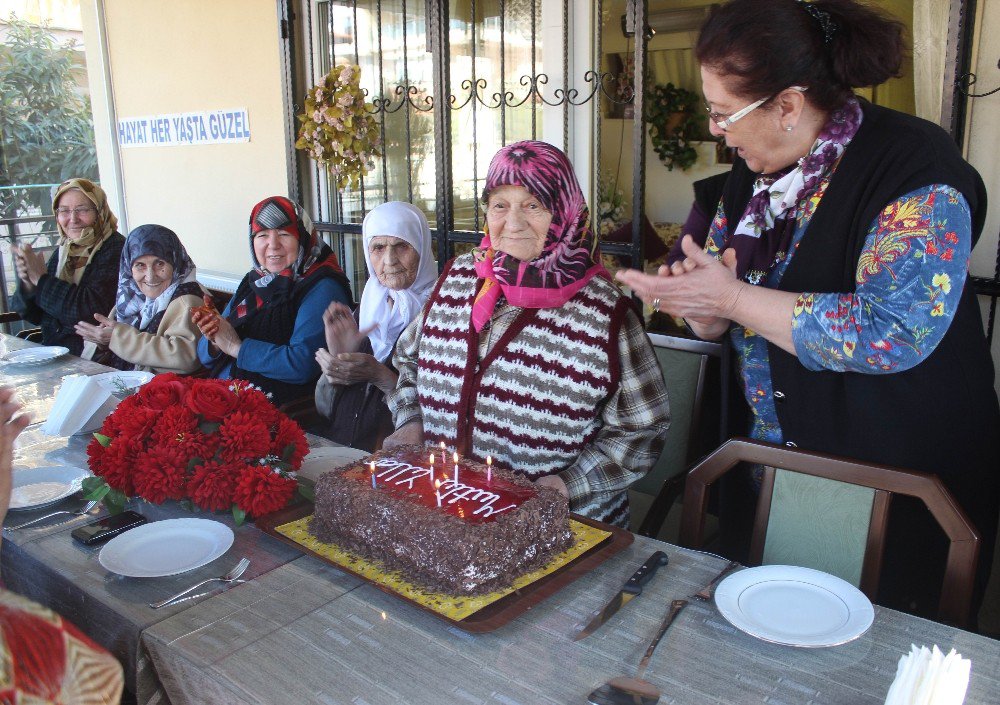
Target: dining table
[{"x": 301, "y": 630}]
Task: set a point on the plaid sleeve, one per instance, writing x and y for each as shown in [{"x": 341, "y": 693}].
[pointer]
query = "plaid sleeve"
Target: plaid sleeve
[
  {"x": 71, "y": 303},
  {"x": 403, "y": 400},
  {"x": 635, "y": 421}
]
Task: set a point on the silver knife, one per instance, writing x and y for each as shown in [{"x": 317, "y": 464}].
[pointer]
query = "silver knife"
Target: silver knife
[{"x": 630, "y": 590}]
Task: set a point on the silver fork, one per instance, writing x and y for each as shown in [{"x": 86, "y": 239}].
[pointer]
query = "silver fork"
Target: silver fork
[
  {"x": 706, "y": 592},
  {"x": 86, "y": 510},
  {"x": 229, "y": 577}
]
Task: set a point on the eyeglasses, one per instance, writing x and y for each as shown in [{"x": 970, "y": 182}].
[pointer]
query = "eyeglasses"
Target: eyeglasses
[
  {"x": 79, "y": 211},
  {"x": 724, "y": 120}
]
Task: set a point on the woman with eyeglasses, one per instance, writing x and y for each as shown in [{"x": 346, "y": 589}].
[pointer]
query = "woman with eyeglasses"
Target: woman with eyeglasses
[
  {"x": 836, "y": 267},
  {"x": 81, "y": 276}
]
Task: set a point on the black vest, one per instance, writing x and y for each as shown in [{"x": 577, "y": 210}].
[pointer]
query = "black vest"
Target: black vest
[
  {"x": 940, "y": 416},
  {"x": 274, "y": 324}
]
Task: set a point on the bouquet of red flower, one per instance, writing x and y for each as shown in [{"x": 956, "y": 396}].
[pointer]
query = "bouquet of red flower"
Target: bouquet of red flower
[{"x": 217, "y": 443}]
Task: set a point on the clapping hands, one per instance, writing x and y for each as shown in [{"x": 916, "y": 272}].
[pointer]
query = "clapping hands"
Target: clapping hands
[
  {"x": 30, "y": 265},
  {"x": 699, "y": 288},
  {"x": 218, "y": 330},
  {"x": 99, "y": 334},
  {"x": 340, "y": 362}
]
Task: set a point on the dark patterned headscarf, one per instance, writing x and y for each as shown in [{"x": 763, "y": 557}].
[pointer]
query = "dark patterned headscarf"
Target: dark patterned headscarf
[
  {"x": 570, "y": 256},
  {"x": 315, "y": 259},
  {"x": 132, "y": 307}
]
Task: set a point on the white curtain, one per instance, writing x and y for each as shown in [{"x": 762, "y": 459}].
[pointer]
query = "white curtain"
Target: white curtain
[{"x": 930, "y": 44}]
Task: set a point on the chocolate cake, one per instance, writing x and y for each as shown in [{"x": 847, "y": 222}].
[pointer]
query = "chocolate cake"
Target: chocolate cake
[{"x": 468, "y": 537}]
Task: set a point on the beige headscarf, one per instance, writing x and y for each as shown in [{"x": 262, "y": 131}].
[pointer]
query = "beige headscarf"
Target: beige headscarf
[{"x": 75, "y": 255}]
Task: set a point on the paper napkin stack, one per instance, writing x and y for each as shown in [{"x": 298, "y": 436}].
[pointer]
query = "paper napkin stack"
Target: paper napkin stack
[
  {"x": 81, "y": 405},
  {"x": 928, "y": 677}
]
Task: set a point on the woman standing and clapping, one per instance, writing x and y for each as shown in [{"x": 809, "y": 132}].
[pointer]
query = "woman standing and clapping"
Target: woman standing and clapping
[{"x": 837, "y": 267}]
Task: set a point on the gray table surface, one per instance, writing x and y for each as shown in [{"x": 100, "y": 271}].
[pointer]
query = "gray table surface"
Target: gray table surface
[
  {"x": 301, "y": 631},
  {"x": 44, "y": 563},
  {"x": 307, "y": 633}
]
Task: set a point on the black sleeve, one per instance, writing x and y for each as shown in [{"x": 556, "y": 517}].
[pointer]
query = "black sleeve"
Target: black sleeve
[{"x": 71, "y": 303}]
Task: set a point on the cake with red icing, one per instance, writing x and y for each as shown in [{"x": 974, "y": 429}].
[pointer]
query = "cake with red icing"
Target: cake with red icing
[{"x": 471, "y": 537}]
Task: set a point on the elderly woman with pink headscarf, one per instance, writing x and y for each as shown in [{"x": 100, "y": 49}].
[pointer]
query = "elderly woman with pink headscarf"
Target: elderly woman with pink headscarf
[{"x": 527, "y": 351}]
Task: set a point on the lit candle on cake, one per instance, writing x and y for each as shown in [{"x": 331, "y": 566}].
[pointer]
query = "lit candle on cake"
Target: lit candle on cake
[
  {"x": 489, "y": 469},
  {"x": 454, "y": 457},
  {"x": 432, "y": 468},
  {"x": 372, "y": 466},
  {"x": 437, "y": 491}
]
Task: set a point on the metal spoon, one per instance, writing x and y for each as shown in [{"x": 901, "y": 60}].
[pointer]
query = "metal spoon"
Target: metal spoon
[
  {"x": 635, "y": 691},
  {"x": 82, "y": 512}
]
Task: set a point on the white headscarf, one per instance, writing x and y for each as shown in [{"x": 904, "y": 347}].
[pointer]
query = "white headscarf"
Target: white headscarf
[{"x": 407, "y": 222}]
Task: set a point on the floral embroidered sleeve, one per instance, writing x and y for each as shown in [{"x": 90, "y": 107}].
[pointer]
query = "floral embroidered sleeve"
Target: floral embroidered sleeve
[{"x": 909, "y": 279}]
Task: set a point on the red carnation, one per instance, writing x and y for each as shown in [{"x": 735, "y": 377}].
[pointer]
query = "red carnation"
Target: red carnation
[
  {"x": 174, "y": 425},
  {"x": 137, "y": 424},
  {"x": 243, "y": 436},
  {"x": 260, "y": 490},
  {"x": 254, "y": 401},
  {"x": 159, "y": 476},
  {"x": 211, "y": 486},
  {"x": 212, "y": 399},
  {"x": 117, "y": 464},
  {"x": 290, "y": 433},
  {"x": 95, "y": 456},
  {"x": 162, "y": 392}
]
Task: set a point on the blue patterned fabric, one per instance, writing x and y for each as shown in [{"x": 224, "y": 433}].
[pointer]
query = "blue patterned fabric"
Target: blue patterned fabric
[{"x": 909, "y": 279}]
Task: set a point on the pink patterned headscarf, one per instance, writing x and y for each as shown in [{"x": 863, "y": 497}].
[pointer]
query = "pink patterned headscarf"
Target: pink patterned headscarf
[{"x": 570, "y": 256}]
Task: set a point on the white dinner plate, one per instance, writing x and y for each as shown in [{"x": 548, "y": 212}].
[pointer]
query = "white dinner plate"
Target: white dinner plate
[
  {"x": 326, "y": 458},
  {"x": 35, "y": 356},
  {"x": 166, "y": 547},
  {"x": 116, "y": 382},
  {"x": 794, "y": 606},
  {"x": 34, "y": 488}
]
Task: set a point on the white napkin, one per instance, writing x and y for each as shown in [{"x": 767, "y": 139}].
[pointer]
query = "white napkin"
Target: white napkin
[
  {"x": 928, "y": 677},
  {"x": 82, "y": 404}
]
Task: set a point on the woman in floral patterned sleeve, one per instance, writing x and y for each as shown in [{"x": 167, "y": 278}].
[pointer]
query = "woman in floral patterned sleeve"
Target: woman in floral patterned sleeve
[{"x": 837, "y": 264}]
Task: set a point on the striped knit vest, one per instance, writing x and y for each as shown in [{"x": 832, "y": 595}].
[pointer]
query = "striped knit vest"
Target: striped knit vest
[{"x": 534, "y": 401}]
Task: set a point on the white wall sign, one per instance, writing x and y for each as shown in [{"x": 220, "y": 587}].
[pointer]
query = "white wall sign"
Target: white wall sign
[{"x": 202, "y": 127}]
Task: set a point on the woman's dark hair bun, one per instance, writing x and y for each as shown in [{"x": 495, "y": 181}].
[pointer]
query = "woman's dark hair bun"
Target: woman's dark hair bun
[{"x": 831, "y": 46}]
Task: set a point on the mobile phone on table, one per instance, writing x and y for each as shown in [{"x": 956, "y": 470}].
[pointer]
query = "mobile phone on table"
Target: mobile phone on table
[{"x": 107, "y": 528}]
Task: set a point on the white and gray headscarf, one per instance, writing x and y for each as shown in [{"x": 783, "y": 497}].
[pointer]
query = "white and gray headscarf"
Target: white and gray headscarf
[
  {"x": 407, "y": 222},
  {"x": 132, "y": 307}
]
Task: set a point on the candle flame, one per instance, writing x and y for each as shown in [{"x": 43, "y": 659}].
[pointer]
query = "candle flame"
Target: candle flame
[
  {"x": 432, "y": 458},
  {"x": 489, "y": 460},
  {"x": 437, "y": 485},
  {"x": 454, "y": 456},
  {"x": 442, "y": 445}
]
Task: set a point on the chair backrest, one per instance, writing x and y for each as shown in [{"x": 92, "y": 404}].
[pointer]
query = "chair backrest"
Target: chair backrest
[
  {"x": 683, "y": 364},
  {"x": 881, "y": 482}
]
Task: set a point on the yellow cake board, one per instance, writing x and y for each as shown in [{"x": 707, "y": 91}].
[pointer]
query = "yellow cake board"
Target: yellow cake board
[{"x": 450, "y": 606}]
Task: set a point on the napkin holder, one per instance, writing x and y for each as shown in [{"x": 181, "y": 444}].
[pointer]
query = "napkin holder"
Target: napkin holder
[{"x": 82, "y": 404}]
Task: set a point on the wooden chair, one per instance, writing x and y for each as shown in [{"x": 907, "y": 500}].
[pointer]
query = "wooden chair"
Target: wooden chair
[
  {"x": 684, "y": 363},
  {"x": 883, "y": 480},
  {"x": 32, "y": 334}
]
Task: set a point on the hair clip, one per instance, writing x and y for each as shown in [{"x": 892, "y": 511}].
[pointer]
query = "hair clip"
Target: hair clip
[{"x": 826, "y": 23}]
